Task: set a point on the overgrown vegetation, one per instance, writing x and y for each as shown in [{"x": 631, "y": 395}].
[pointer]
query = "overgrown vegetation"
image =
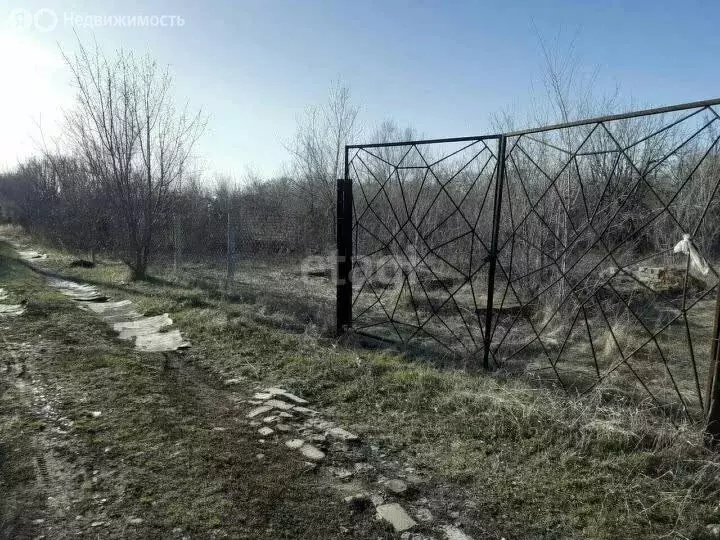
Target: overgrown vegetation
[
  {"x": 97, "y": 439},
  {"x": 517, "y": 461}
]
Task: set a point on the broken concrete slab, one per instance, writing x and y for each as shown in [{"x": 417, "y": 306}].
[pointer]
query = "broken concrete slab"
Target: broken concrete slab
[
  {"x": 129, "y": 335},
  {"x": 304, "y": 410},
  {"x": 30, "y": 255},
  {"x": 317, "y": 437},
  {"x": 120, "y": 317},
  {"x": 277, "y": 404},
  {"x": 142, "y": 327},
  {"x": 106, "y": 306},
  {"x": 312, "y": 452},
  {"x": 266, "y": 431},
  {"x": 363, "y": 468},
  {"x": 258, "y": 411},
  {"x": 414, "y": 479},
  {"x": 77, "y": 291},
  {"x": 11, "y": 310},
  {"x": 158, "y": 321},
  {"x": 162, "y": 342},
  {"x": 340, "y": 472},
  {"x": 168, "y": 341},
  {"x": 124, "y": 319},
  {"x": 280, "y": 392},
  {"x": 342, "y": 434},
  {"x": 396, "y": 516},
  {"x": 295, "y": 444},
  {"x": 398, "y": 487},
  {"x": 113, "y": 312}
]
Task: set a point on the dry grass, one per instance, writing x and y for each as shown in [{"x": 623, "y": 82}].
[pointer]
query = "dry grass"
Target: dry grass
[{"x": 532, "y": 461}]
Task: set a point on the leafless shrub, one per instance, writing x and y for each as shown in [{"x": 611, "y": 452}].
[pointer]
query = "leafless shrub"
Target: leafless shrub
[{"x": 130, "y": 138}]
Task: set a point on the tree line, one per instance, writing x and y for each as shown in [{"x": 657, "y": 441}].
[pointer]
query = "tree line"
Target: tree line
[
  {"x": 124, "y": 175},
  {"x": 123, "y": 182}
]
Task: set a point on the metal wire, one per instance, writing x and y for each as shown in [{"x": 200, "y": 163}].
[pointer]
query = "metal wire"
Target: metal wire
[{"x": 524, "y": 249}]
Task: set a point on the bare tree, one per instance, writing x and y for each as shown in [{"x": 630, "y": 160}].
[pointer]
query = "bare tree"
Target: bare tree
[
  {"x": 318, "y": 155},
  {"x": 133, "y": 141}
]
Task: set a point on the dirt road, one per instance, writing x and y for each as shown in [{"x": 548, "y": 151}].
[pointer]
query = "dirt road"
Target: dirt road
[{"x": 99, "y": 440}]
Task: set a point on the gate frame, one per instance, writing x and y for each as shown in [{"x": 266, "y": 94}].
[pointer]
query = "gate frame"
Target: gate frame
[
  {"x": 345, "y": 226},
  {"x": 344, "y": 258}
]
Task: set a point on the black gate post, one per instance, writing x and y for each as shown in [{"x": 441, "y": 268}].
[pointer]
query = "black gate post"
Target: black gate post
[
  {"x": 712, "y": 395},
  {"x": 492, "y": 256},
  {"x": 344, "y": 251}
]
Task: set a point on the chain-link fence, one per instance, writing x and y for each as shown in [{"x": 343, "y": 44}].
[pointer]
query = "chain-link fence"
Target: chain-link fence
[{"x": 256, "y": 254}]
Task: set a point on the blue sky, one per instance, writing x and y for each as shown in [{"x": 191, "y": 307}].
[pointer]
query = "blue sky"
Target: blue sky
[{"x": 442, "y": 67}]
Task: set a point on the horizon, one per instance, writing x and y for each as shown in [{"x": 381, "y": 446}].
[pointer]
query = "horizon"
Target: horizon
[{"x": 256, "y": 67}]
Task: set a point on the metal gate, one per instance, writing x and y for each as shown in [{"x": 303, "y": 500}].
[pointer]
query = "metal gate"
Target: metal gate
[{"x": 583, "y": 253}]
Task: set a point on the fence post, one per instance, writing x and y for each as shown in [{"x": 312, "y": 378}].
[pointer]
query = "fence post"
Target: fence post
[
  {"x": 177, "y": 242},
  {"x": 344, "y": 255},
  {"x": 230, "y": 249},
  {"x": 712, "y": 394},
  {"x": 492, "y": 256}
]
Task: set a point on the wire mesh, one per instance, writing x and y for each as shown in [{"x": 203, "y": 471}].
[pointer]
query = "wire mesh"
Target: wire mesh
[{"x": 252, "y": 247}]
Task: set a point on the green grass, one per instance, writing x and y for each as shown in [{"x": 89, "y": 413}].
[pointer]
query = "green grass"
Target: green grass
[
  {"x": 533, "y": 463},
  {"x": 153, "y": 452}
]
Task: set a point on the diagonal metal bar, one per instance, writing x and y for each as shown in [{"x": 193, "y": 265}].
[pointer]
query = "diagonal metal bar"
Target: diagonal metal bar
[{"x": 414, "y": 204}]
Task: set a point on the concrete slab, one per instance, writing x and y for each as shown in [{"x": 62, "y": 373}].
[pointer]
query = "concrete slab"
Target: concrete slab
[
  {"x": 162, "y": 342},
  {"x": 396, "y": 516}
]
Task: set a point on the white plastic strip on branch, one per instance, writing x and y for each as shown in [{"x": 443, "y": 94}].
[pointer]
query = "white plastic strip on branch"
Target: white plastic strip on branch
[{"x": 697, "y": 261}]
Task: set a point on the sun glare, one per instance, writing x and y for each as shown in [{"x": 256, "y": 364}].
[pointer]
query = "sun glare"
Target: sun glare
[{"x": 32, "y": 97}]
